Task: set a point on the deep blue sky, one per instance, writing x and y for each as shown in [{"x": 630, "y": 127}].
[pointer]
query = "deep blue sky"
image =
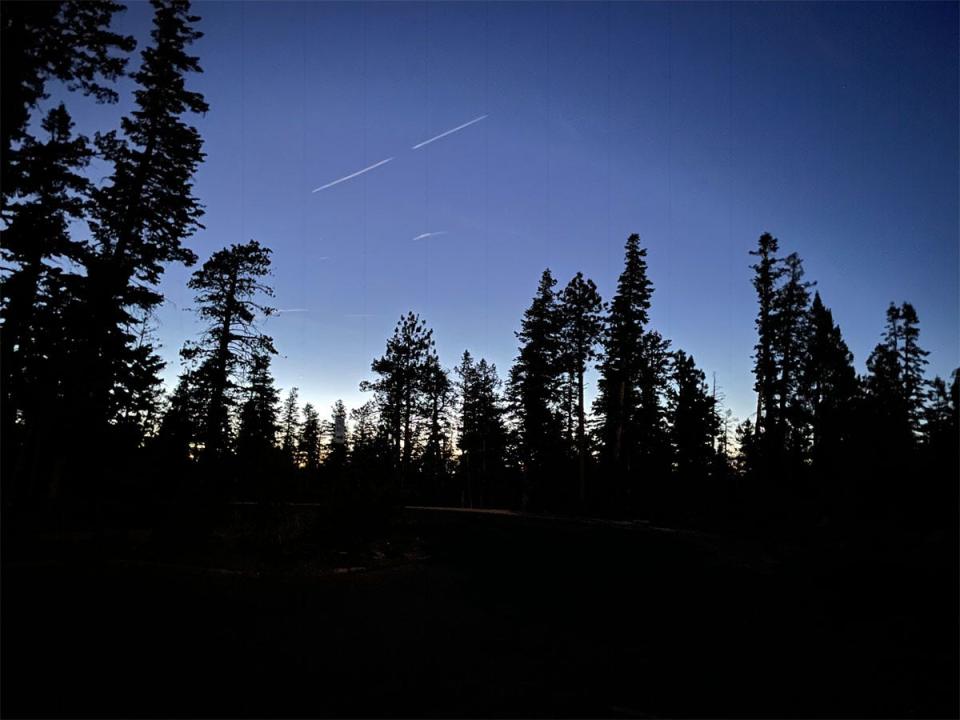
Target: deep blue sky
[{"x": 699, "y": 126}]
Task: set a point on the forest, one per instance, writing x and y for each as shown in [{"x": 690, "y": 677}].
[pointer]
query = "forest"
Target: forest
[
  {"x": 86, "y": 418},
  {"x": 85, "y": 413}
]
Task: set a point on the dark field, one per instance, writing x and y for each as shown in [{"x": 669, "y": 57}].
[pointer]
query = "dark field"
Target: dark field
[{"x": 469, "y": 614}]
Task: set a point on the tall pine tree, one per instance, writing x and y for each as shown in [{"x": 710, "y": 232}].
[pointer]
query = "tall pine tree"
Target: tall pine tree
[
  {"x": 581, "y": 326},
  {"x": 534, "y": 391},
  {"x": 142, "y": 212},
  {"x": 230, "y": 289},
  {"x": 633, "y": 370}
]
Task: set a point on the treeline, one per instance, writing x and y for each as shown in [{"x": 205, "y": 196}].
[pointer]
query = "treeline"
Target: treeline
[{"x": 84, "y": 413}]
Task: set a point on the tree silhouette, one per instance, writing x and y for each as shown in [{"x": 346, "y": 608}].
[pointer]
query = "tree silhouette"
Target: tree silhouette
[
  {"x": 368, "y": 442},
  {"x": 338, "y": 451},
  {"x": 582, "y": 324},
  {"x": 791, "y": 308},
  {"x": 402, "y": 371},
  {"x": 34, "y": 245},
  {"x": 534, "y": 391},
  {"x": 40, "y": 41},
  {"x": 830, "y": 395},
  {"x": 229, "y": 290},
  {"x": 894, "y": 405},
  {"x": 767, "y": 272},
  {"x": 258, "y": 422},
  {"x": 895, "y": 376},
  {"x": 482, "y": 440},
  {"x": 693, "y": 423},
  {"x": 290, "y": 425},
  {"x": 436, "y": 403},
  {"x": 308, "y": 444},
  {"x": 143, "y": 211},
  {"x": 179, "y": 434},
  {"x": 633, "y": 369}
]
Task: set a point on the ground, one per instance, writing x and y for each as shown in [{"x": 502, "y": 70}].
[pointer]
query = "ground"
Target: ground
[{"x": 480, "y": 614}]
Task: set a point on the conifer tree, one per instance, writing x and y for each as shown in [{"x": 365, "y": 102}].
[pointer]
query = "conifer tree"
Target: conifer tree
[
  {"x": 482, "y": 440},
  {"x": 940, "y": 414},
  {"x": 308, "y": 444},
  {"x": 941, "y": 445},
  {"x": 290, "y": 427},
  {"x": 437, "y": 399},
  {"x": 767, "y": 273},
  {"x": 633, "y": 370},
  {"x": 337, "y": 455},
  {"x": 894, "y": 405},
  {"x": 364, "y": 437},
  {"x": 229, "y": 290},
  {"x": 692, "y": 418},
  {"x": 895, "y": 381},
  {"x": 745, "y": 436},
  {"x": 179, "y": 434},
  {"x": 34, "y": 244},
  {"x": 791, "y": 308},
  {"x": 143, "y": 211},
  {"x": 534, "y": 389},
  {"x": 582, "y": 325},
  {"x": 829, "y": 385},
  {"x": 258, "y": 426},
  {"x": 40, "y": 41},
  {"x": 402, "y": 371}
]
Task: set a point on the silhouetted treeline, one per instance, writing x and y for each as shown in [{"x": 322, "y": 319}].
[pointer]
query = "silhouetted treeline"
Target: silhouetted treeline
[{"x": 84, "y": 414}]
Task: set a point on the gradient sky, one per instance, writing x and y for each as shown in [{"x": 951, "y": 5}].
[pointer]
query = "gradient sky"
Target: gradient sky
[{"x": 698, "y": 126}]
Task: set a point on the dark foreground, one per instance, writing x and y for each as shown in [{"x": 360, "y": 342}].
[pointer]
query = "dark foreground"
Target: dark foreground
[{"x": 488, "y": 615}]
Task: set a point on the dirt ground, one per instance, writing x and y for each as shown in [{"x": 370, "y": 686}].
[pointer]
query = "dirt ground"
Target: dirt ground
[{"x": 476, "y": 614}]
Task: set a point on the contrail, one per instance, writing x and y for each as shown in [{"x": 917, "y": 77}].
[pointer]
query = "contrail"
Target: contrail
[
  {"x": 290, "y": 310},
  {"x": 448, "y": 132},
  {"x": 421, "y": 236},
  {"x": 352, "y": 175}
]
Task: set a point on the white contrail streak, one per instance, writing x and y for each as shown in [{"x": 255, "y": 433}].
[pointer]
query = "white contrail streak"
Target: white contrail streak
[
  {"x": 448, "y": 132},
  {"x": 422, "y": 236},
  {"x": 290, "y": 310},
  {"x": 352, "y": 175}
]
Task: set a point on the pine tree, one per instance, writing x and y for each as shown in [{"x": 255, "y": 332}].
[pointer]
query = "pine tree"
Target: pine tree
[
  {"x": 791, "y": 309},
  {"x": 534, "y": 390},
  {"x": 337, "y": 455},
  {"x": 39, "y": 41},
  {"x": 767, "y": 273},
  {"x": 745, "y": 436},
  {"x": 34, "y": 245},
  {"x": 895, "y": 381},
  {"x": 258, "y": 422},
  {"x": 308, "y": 444},
  {"x": 402, "y": 370},
  {"x": 633, "y": 370},
  {"x": 482, "y": 440},
  {"x": 894, "y": 404},
  {"x": 290, "y": 427},
  {"x": 365, "y": 438},
  {"x": 940, "y": 413},
  {"x": 582, "y": 325},
  {"x": 436, "y": 402},
  {"x": 179, "y": 434},
  {"x": 941, "y": 445},
  {"x": 829, "y": 385},
  {"x": 229, "y": 287},
  {"x": 692, "y": 418},
  {"x": 143, "y": 211}
]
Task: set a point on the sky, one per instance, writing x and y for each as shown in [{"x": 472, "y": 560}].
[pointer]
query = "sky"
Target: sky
[{"x": 698, "y": 126}]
